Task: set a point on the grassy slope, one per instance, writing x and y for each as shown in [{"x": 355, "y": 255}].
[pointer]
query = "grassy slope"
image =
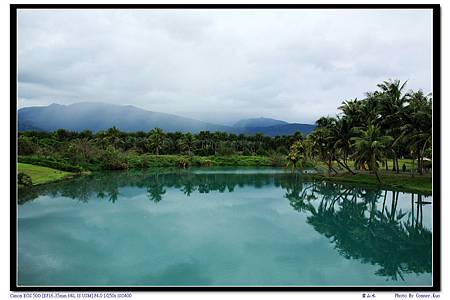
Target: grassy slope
[{"x": 40, "y": 175}]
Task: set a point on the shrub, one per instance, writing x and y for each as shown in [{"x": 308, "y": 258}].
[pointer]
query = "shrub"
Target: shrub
[
  {"x": 247, "y": 152},
  {"x": 278, "y": 160},
  {"x": 282, "y": 150},
  {"x": 261, "y": 152},
  {"x": 183, "y": 163},
  {"x": 49, "y": 164},
  {"x": 26, "y": 146},
  {"x": 113, "y": 160},
  {"x": 24, "y": 179}
]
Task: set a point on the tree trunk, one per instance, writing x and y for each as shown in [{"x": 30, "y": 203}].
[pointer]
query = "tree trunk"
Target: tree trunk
[
  {"x": 419, "y": 166},
  {"x": 345, "y": 166},
  {"x": 378, "y": 177}
]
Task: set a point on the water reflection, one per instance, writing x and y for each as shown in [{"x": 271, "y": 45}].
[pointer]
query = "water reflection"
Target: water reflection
[{"x": 363, "y": 224}]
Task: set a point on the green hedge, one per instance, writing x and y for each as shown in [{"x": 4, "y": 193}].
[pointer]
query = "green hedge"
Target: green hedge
[{"x": 49, "y": 163}]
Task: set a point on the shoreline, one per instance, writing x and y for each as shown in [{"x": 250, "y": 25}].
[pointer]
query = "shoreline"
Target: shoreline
[{"x": 399, "y": 182}]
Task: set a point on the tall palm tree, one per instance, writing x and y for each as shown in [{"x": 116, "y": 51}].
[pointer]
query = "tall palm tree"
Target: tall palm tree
[
  {"x": 417, "y": 128},
  {"x": 187, "y": 143},
  {"x": 353, "y": 111},
  {"x": 157, "y": 138},
  {"x": 342, "y": 132},
  {"x": 371, "y": 147},
  {"x": 324, "y": 141},
  {"x": 391, "y": 102}
]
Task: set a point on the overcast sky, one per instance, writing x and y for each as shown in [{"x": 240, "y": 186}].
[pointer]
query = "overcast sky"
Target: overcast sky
[{"x": 220, "y": 65}]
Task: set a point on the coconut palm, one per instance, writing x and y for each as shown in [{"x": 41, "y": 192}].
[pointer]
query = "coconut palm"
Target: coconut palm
[
  {"x": 342, "y": 133},
  {"x": 390, "y": 112},
  {"x": 371, "y": 148},
  {"x": 417, "y": 128},
  {"x": 156, "y": 139},
  {"x": 187, "y": 143}
]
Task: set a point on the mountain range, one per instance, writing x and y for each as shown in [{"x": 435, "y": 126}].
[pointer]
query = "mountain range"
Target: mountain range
[{"x": 101, "y": 116}]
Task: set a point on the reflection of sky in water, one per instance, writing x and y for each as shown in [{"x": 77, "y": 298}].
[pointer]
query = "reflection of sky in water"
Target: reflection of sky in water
[{"x": 251, "y": 236}]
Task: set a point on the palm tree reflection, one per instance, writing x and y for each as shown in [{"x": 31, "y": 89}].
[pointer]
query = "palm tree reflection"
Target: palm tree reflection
[{"x": 385, "y": 238}]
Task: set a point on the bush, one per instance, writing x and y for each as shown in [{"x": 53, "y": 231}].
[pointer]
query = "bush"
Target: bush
[
  {"x": 261, "y": 152},
  {"x": 26, "y": 146},
  {"x": 49, "y": 164},
  {"x": 24, "y": 179},
  {"x": 282, "y": 150},
  {"x": 278, "y": 160},
  {"x": 183, "y": 163},
  {"x": 247, "y": 152},
  {"x": 113, "y": 160}
]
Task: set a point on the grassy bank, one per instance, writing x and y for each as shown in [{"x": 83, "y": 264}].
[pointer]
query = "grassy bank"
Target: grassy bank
[
  {"x": 399, "y": 182},
  {"x": 41, "y": 175}
]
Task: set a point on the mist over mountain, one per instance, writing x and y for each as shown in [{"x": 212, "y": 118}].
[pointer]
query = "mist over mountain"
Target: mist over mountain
[
  {"x": 101, "y": 116},
  {"x": 258, "y": 122}
]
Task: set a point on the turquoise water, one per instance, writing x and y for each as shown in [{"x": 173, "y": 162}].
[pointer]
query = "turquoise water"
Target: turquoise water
[{"x": 255, "y": 227}]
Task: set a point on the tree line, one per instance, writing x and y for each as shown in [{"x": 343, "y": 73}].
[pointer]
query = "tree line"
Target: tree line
[{"x": 115, "y": 149}]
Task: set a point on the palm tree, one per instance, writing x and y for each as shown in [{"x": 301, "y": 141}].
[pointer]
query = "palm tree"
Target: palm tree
[
  {"x": 157, "y": 139},
  {"x": 187, "y": 143},
  {"x": 390, "y": 111},
  {"x": 343, "y": 134},
  {"x": 371, "y": 148},
  {"x": 417, "y": 128},
  {"x": 323, "y": 141},
  {"x": 353, "y": 111}
]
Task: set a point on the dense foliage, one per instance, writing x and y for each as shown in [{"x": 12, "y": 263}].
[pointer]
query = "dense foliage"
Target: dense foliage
[
  {"x": 114, "y": 149},
  {"x": 24, "y": 179},
  {"x": 387, "y": 124}
]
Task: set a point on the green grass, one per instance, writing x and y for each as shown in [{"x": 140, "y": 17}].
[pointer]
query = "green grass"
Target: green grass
[
  {"x": 400, "y": 182},
  {"x": 40, "y": 175}
]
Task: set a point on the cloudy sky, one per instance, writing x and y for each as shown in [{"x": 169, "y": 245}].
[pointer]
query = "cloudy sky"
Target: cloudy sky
[{"x": 220, "y": 65}]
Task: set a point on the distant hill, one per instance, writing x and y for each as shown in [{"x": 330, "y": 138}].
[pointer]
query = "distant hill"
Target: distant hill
[
  {"x": 101, "y": 116},
  {"x": 284, "y": 129},
  {"x": 258, "y": 122}
]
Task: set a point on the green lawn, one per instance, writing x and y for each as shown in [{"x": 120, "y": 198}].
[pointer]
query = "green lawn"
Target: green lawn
[{"x": 40, "y": 175}]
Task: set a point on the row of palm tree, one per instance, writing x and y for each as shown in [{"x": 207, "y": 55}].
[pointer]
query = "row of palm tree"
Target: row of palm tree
[
  {"x": 387, "y": 124},
  {"x": 155, "y": 141}
]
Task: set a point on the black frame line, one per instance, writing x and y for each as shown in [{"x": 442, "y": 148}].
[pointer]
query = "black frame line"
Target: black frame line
[{"x": 436, "y": 64}]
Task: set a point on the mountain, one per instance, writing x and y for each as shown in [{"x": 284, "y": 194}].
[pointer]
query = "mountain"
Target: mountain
[
  {"x": 283, "y": 129},
  {"x": 259, "y": 122},
  {"x": 101, "y": 116}
]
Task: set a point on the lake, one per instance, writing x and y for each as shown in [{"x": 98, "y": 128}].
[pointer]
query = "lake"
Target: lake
[{"x": 221, "y": 226}]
